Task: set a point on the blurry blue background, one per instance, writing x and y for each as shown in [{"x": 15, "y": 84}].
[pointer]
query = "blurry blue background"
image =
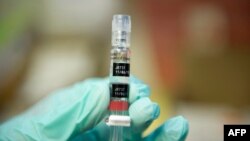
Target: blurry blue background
[{"x": 194, "y": 54}]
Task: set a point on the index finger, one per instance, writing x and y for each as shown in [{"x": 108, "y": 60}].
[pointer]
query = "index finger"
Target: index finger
[{"x": 138, "y": 89}]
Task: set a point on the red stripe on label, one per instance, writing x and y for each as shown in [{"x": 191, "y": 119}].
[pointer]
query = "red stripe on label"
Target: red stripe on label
[{"x": 118, "y": 106}]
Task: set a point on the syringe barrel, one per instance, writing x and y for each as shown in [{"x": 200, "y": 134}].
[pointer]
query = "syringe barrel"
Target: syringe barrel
[
  {"x": 120, "y": 65},
  {"x": 119, "y": 79}
]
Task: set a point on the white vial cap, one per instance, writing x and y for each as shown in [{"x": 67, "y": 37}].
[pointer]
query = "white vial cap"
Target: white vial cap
[
  {"x": 118, "y": 120},
  {"x": 121, "y": 23}
]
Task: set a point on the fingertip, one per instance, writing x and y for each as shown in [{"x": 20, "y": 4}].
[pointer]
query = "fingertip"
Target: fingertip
[
  {"x": 138, "y": 90},
  {"x": 156, "y": 111},
  {"x": 175, "y": 129},
  {"x": 143, "y": 112}
]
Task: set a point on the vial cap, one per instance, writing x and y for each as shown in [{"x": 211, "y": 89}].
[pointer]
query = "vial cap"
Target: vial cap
[{"x": 121, "y": 23}]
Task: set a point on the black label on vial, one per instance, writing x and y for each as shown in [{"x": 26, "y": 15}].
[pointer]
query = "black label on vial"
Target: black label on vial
[
  {"x": 119, "y": 90},
  {"x": 121, "y": 69}
]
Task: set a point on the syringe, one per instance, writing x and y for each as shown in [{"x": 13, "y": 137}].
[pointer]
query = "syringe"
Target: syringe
[{"x": 119, "y": 76}]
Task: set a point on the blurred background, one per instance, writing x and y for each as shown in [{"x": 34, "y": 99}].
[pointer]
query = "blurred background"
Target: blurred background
[{"x": 195, "y": 55}]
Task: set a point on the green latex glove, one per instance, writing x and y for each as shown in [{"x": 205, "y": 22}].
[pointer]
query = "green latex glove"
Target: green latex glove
[{"x": 77, "y": 112}]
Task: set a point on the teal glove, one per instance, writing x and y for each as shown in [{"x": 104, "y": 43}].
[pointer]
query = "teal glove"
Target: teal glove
[{"x": 76, "y": 113}]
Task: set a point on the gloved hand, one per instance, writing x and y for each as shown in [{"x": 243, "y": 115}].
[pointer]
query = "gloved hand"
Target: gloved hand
[{"x": 77, "y": 112}]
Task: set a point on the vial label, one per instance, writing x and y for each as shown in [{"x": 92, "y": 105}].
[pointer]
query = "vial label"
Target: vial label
[
  {"x": 119, "y": 90},
  {"x": 121, "y": 69}
]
